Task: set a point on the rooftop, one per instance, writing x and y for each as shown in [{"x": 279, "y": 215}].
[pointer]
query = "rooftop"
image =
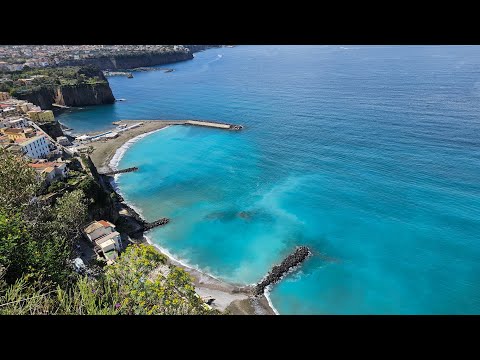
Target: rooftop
[
  {"x": 106, "y": 223},
  {"x": 45, "y": 164},
  {"x": 13, "y": 131},
  {"x": 106, "y": 244},
  {"x": 107, "y": 237},
  {"x": 94, "y": 225},
  {"x": 48, "y": 169}
]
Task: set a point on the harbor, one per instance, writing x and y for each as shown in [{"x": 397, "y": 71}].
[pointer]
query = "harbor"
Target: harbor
[
  {"x": 106, "y": 143},
  {"x": 125, "y": 125}
]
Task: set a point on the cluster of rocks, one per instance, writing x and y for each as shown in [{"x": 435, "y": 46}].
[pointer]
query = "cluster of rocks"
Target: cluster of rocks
[
  {"x": 160, "y": 222},
  {"x": 278, "y": 271},
  {"x": 131, "y": 169}
]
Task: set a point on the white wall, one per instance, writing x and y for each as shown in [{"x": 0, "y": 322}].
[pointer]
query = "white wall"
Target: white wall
[{"x": 37, "y": 149}]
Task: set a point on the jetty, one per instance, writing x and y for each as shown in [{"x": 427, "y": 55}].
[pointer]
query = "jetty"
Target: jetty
[
  {"x": 127, "y": 170},
  {"x": 278, "y": 271},
  {"x": 159, "y": 222},
  {"x": 61, "y": 106},
  {"x": 143, "y": 225},
  {"x": 118, "y": 73},
  {"x": 203, "y": 123}
]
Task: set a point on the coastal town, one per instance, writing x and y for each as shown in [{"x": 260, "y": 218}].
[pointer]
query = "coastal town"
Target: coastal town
[
  {"x": 21, "y": 131},
  {"x": 64, "y": 164},
  {"x": 61, "y": 161},
  {"x": 17, "y": 57}
]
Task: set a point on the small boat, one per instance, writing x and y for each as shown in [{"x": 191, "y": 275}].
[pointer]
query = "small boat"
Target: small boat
[
  {"x": 121, "y": 99},
  {"x": 130, "y": 76},
  {"x": 116, "y": 122}
]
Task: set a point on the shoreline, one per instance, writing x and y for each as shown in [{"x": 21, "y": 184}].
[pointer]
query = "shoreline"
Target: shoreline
[
  {"x": 236, "y": 299},
  {"x": 105, "y": 151}
]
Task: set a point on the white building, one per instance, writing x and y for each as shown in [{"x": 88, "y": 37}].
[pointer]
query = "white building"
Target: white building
[
  {"x": 19, "y": 123},
  {"x": 35, "y": 147},
  {"x": 50, "y": 171},
  {"x": 10, "y": 111},
  {"x": 103, "y": 234},
  {"x": 63, "y": 140}
]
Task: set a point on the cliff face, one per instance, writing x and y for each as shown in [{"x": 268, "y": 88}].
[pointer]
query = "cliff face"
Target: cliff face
[
  {"x": 43, "y": 97},
  {"x": 195, "y": 48},
  {"x": 130, "y": 61},
  {"x": 53, "y": 129},
  {"x": 76, "y": 95},
  {"x": 81, "y": 95}
]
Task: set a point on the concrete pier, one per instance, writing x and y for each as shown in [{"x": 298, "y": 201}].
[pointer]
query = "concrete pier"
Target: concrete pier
[{"x": 204, "y": 123}]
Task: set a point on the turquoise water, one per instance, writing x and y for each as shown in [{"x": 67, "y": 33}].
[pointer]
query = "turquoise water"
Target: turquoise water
[{"x": 369, "y": 155}]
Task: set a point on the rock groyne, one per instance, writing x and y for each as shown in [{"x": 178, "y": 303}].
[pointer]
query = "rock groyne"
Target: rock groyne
[
  {"x": 131, "y": 169},
  {"x": 278, "y": 271}
]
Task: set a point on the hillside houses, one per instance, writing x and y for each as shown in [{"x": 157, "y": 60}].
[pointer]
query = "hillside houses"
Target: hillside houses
[
  {"x": 50, "y": 171},
  {"x": 103, "y": 235}
]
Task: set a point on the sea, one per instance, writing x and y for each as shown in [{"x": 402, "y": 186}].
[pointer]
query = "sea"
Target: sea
[{"x": 369, "y": 155}]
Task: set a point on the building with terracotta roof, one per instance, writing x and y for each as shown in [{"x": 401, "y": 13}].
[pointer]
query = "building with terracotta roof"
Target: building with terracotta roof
[
  {"x": 102, "y": 233},
  {"x": 50, "y": 171},
  {"x": 14, "y": 134}
]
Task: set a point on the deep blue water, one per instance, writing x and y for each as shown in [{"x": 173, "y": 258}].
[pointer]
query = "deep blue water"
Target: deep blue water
[{"x": 369, "y": 155}]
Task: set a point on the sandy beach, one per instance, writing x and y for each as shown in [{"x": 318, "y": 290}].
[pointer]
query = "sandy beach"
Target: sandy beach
[
  {"x": 234, "y": 299},
  {"x": 105, "y": 150}
]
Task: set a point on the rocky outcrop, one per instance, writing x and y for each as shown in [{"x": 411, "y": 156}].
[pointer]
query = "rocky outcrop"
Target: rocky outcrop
[
  {"x": 53, "y": 129},
  {"x": 76, "y": 95},
  {"x": 94, "y": 91},
  {"x": 195, "y": 48},
  {"x": 85, "y": 94},
  {"x": 278, "y": 271}
]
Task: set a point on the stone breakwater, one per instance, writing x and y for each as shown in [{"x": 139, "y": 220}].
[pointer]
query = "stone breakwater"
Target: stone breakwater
[
  {"x": 160, "y": 222},
  {"x": 278, "y": 271},
  {"x": 131, "y": 169}
]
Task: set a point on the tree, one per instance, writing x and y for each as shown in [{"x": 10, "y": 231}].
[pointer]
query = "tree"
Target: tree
[
  {"x": 13, "y": 233},
  {"x": 35, "y": 239},
  {"x": 18, "y": 182},
  {"x": 147, "y": 285},
  {"x": 70, "y": 213},
  {"x": 140, "y": 282}
]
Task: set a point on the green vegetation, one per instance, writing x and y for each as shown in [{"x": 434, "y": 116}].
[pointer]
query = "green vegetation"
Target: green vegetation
[
  {"x": 50, "y": 78},
  {"x": 37, "y": 243},
  {"x": 132, "y": 286}
]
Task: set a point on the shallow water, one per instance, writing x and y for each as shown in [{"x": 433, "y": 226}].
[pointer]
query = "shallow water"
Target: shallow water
[{"x": 369, "y": 155}]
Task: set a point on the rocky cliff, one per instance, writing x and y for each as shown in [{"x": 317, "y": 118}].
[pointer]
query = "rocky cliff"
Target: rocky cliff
[
  {"x": 195, "y": 48},
  {"x": 71, "y": 95},
  {"x": 130, "y": 61},
  {"x": 126, "y": 61},
  {"x": 53, "y": 129},
  {"x": 81, "y": 95}
]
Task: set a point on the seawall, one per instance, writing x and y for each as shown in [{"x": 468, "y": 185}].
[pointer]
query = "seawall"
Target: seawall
[{"x": 204, "y": 123}]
